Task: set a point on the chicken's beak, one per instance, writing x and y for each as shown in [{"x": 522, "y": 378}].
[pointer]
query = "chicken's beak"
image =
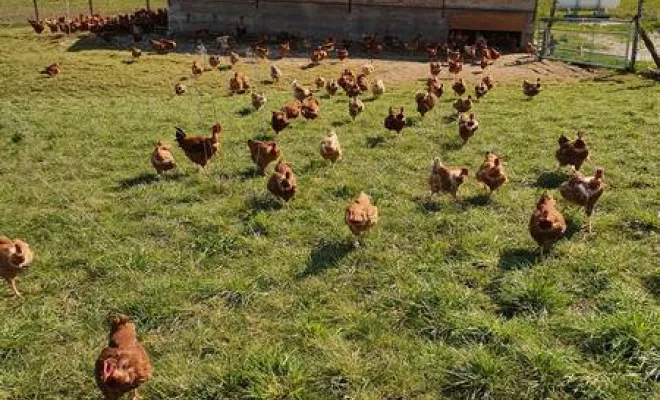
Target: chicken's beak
[{"x": 108, "y": 370}]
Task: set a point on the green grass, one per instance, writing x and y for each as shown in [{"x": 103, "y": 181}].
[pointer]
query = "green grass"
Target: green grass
[{"x": 238, "y": 298}]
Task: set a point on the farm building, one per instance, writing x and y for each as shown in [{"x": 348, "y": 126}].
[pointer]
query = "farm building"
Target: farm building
[{"x": 504, "y": 20}]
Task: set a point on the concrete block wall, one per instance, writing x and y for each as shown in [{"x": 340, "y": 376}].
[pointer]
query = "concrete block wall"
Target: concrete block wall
[{"x": 323, "y": 18}]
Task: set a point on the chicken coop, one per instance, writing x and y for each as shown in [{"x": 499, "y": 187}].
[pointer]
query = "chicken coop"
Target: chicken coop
[{"x": 507, "y": 22}]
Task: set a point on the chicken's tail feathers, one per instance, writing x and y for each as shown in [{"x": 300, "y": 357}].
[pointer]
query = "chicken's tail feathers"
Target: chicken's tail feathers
[{"x": 180, "y": 134}]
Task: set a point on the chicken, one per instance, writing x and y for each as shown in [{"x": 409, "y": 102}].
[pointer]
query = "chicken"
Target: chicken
[
  {"x": 467, "y": 127},
  {"x": 38, "y": 26},
  {"x": 332, "y": 87},
  {"x": 163, "y": 46},
  {"x": 180, "y": 89},
  {"x": 52, "y": 70},
  {"x": 436, "y": 68},
  {"x": 285, "y": 49},
  {"x": 463, "y": 105},
  {"x": 395, "y": 121},
  {"x": 573, "y": 153},
  {"x": 455, "y": 67},
  {"x": 531, "y": 89},
  {"x": 300, "y": 93},
  {"x": 283, "y": 183},
  {"x": 162, "y": 158},
  {"x": 279, "y": 121},
  {"x": 368, "y": 69},
  {"x": 197, "y": 69},
  {"x": 342, "y": 54},
  {"x": 584, "y": 191},
  {"x": 258, "y": 100},
  {"x": 480, "y": 90},
  {"x": 425, "y": 102},
  {"x": 261, "y": 52},
  {"x": 433, "y": 85},
  {"x": 361, "y": 216},
  {"x": 459, "y": 87},
  {"x": 355, "y": 107},
  {"x": 124, "y": 365},
  {"x": 493, "y": 54},
  {"x": 310, "y": 108},
  {"x": 330, "y": 148},
  {"x": 445, "y": 179},
  {"x": 378, "y": 89},
  {"x": 214, "y": 61},
  {"x": 275, "y": 73},
  {"x": 547, "y": 224},
  {"x": 15, "y": 257},
  {"x": 234, "y": 58},
  {"x": 491, "y": 172},
  {"x": 346, "y": 78},
  {"x": 292, "y": 109},
  {"x": 238, "y": 84},
  {"x": 488, "y": 81},
  {"x": 263, "y": 153},
  {"x": 318, "y": 55},
  {"x": 198, "y": 149},
  {"x": 484, "y": 62},
  {"x": 320, "y": 82},
  {"x": 353, "y": 90},
  {"x": 530, "y": 49},
  {"x": 363, "y": 83},
  {"x": 136, "y": 53}
]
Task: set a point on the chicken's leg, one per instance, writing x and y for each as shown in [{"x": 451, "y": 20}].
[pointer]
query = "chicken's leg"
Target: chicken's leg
[
  {"x": 135, "y": 394},
  {"x": 14, "y": 289}
]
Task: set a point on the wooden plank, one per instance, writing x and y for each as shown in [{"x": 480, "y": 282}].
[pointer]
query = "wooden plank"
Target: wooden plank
[{"x": 488, "y": 21}]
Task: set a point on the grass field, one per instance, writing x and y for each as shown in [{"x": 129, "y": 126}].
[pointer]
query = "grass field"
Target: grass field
[{"x": 236, "y": 297}]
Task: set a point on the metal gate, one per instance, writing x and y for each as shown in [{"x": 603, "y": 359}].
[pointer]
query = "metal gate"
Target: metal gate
[{"x": 589, "y": 41}]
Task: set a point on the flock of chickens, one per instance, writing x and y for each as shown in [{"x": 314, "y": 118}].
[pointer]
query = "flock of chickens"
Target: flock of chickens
[{"x": 124, "y": 365}]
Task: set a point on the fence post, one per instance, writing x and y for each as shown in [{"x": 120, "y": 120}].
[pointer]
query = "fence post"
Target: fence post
[
  {"x": 148, "y": 5},
  {"x": 633, "y": 55},
  {"x": 91, "y": 8},
  {"x": 546, "y": 33},
  {"x": 36, "y": 10}
]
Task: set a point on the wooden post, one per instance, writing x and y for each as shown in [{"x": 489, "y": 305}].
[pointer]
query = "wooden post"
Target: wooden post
[
  {"x": 36, "y": 10},
  {"x": 91, "y": 7},
  {"x": 546, "y": 34},
  {"x": 650, "y": 46},
  {"x": 635, "y": 43},
  {"x": 148, "y": 5}
]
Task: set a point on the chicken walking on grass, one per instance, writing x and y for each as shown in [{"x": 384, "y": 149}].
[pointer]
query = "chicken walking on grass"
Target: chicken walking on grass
[
  {"x": 123, "y": 366},
  {"x": 15, "y": 257},
  {"x": 361, "y": 216}
]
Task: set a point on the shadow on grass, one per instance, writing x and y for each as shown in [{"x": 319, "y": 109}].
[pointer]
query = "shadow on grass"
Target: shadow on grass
[
  {"x": 338, "y": 124},
  {"x": 325, "y": 256},
  {"x": 454, "y": 145},
  {"x": 551, "y": 180},
  {"x": 478, "y": 200},
  {"x": 652, "y": 284},
  {"x": 450, "y": 119},
  {"x": 263, "y": 202},
  {"x": 147, "y": 179},
  {"x": 245, "y": 111},
  {"x": 375, "y": 141},
  {"x": 518, "y": 259}
]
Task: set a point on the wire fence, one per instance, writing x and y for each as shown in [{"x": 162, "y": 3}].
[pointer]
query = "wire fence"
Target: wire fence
[{"x": 15, "y": 12}]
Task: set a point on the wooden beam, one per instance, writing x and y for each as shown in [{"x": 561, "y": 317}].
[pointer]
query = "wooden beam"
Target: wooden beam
[
  {"x": 548, "y": 28},
  {"x": 650, "y": 46},
  {"x": 36, "y": 10},
  {"x": 638, "y": 27}
]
